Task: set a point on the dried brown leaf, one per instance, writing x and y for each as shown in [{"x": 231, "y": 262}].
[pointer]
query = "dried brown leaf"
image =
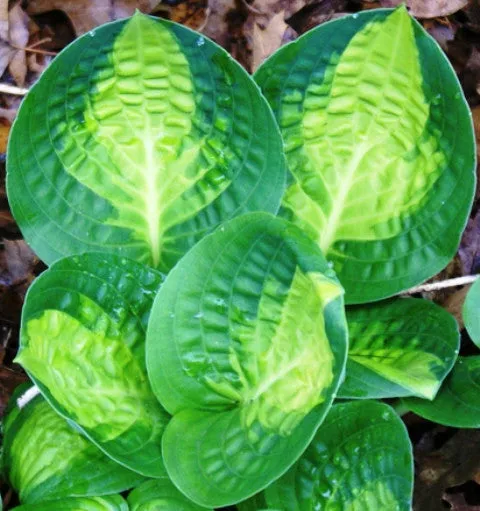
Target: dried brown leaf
[
  {"x": 6, "y": 54},
  {"x": 312, "y": 15},
  {"x": 193, "y": 14},
  {"x": 9, "y": 380},
  {"x": 17, "y": 264},
  {"x": 454, "y": 304},
  {"x": 5, "y": 219},
  {"x": 428, "y": 8},
  {"x": 469, "y": 251},
  {"x": 272, "y": 7},
  {"x": 455, "y": 463},
  {"x": 13, "y": 42},
  {"x": 88, "y": 14},
  {"x": 18, "y": 38},
  {"x": 9, "y": 114},
  {"x": 266, "y": 38},
  {"x": 458, "y": 502},
  {"x": 221, "y": 15},
  {"x": 4, "y": 132},
  {"x": 4, "y": 19},
  {"x": 442, "y": 33}
]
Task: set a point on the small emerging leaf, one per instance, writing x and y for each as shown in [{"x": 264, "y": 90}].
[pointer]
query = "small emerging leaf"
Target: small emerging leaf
[
  {"x": 246, "y": 346},
  {"x": 471, "y": 312},
  {"x": 360, "y": 459},
  {"x": 45, "y": 458},
  {"x": 83, "y": 343},
  {"x": 458, "y": 402},
  {"x": 370, "y": 111},
  {"x": 397, "y": 348},
  {"x": 139, "y": 138}
]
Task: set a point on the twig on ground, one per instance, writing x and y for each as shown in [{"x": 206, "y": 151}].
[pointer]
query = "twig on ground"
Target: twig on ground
[
  {"x": 6, "y": 88},
  {"x": 442, "y": 284},
  {"x": 252, "y": 9}
]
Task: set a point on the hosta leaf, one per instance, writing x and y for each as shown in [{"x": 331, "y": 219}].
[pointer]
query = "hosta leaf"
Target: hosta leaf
[
  {"x": 138, "y": 139},
  {"x": 245, "y": 347},
  {"x": 399, "y": 347},
  {"x": 360, "y": 459},
  {"x": 255, "y": 503},
  {"x": 371, "y": 114},
  {"x": 458, "y": 402},
  {"x": 471, "y": 312},
  {"x": 112, "y": 503},
  {"x": 160, "y": 494},
  {"x": 83, "y": 343},
  {"x": 46, "y": 459}
]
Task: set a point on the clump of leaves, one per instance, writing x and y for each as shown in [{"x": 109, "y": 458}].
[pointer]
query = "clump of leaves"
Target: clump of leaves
[{"x": 217, "y": 378}]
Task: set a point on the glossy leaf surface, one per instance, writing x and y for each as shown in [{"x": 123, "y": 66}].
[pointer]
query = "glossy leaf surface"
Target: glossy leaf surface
[
  {"x": 471, "y": 312},
  {"x": 400, "y": 347},
  {"x": 138, "y": 139},
  {"x": 83, "y": 343},
  {"x": 371, "y": 111},
  {"x": 245, "y": 347},
  {"x": 360, "y": 458},
  {"x": 160, "y": 494},
  {"x": 45, "y": 458},
  {"x": 458, "y": 402},
  {"x": 113, "y": 503}
]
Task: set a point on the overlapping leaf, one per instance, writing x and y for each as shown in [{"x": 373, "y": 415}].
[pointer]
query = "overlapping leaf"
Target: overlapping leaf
[
  {"x": 44, "y": 458},
  {"x": 138, "y": 139},
  {"x": 371, "y": 113},
  {"x": 245, "y": 347},
  {"x": 397, "y": 348},
  {"x": 471, "y": 312},
  {"x": 113, "y": 503},
  {"x": 83, "y": 343},
  {"x": 360, "y": 459},
  {"x": 160, "y": 494},
  {"x": 458, "y": 402}
]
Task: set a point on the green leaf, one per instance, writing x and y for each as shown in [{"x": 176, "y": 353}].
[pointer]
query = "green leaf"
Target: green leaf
[
  {"x": 160, "y": 494},
  {"x": 471, "y": 312},
  {"x": 139, "y": 138},
  {"x": 402, "y": 347},
  {"x": 360, "y": 459},
  {"x": 46, "y": 459},
  {"x": 112, "y": 503},
  {"x": 458, "y": 402},
  {"x": 83, "y": 344},
  {"x": 371, "y": 111},
  {"x": 246, "y": 345},
  {"x": 255, "y": 503}
]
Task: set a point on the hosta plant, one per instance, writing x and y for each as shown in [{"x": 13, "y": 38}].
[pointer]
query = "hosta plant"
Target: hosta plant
[
  {"x": 83, "y": 343},
  {"x": 379, "y": 144},
  {"x": 40, "y": 447},
  {"x": 192, "y": 322},
  {"x": 152, "y": 136},
  {"x": 246, "y": 346}
]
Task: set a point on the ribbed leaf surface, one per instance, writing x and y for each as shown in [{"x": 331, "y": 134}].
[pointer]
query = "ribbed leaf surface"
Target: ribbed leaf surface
[
  {"x": 360, "y": 459},
  {"x": 245, "y": 347},
  {"x": 113, "y": 503},
  {"x": 83, "y": 343},
  {"x": 138, "y": 139},
  {"x": 45, "y": 458},
  {"x": 458, "y": 402},
  {"x": 371, "y": 113},
  {"x": 160, "y": 495},
  {"x": 402, "y": 347}
]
